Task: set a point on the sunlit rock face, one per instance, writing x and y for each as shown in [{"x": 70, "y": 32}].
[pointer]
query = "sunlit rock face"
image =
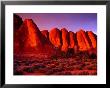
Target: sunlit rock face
[
  {"x": 83, "y": 41},
  {"x": 65, "y": 40},
  {"x": 30, "y": 34},
  {"x": 27, "y": 35},
  {"x": 92, "y": 38},
  {"x": 72, "y": 39},
  {"x": 55, "y": 37}
]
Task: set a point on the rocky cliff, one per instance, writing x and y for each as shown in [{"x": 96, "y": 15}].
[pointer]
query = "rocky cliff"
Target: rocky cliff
[{"x": 27, "y": 35}]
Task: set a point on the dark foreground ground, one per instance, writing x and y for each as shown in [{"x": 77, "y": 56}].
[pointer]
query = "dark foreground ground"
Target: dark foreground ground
[{"x": 78, "y": 64}]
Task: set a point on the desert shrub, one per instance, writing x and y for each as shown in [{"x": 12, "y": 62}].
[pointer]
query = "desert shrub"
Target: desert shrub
[
  {"x": 49, "y": 72},
  {"x": 38, "y": 66},
  {"x": 63, "y": 54},
  {"x": 28, "y": 70},
  {"x": 94, "y": 73},
  {"x": 41, "y": 66},
  {"x": 66, "y": 73},
  {"x": 90, "y": 68},
  {"x": 94, "y": 62},
  {"x": 16, "y": 65},
  {"x": 83, "y": 65},
  {"x": 63, "y": 73},
  {"x": 93, "y": 53},
  {"x": 94, "y": 68},
  {"x": 27, "y": 63},
  {"x": 84, "y": 56},
  {"x": 69, "y": 68},
  {"x": 84, "y": 73},
  {"x": 93, "y": 56},
  {"x": 35, "y": 67},
  {"x": 87, "y": 63},
  {"x": 70, "y": 52},
  {"x": 80, "y": 68},
  {"x": 77, "y": 67},
  {"x": 79, "y": 54},
  {"x": 57, "y": 69},
  {"x": 77, "y": 58},
  {"x": 54, "y": 57},
  {"x": 43, "y": 70}
]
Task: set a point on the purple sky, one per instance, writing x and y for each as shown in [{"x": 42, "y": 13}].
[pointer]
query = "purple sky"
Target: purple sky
[{"x": 70, "y": 21}]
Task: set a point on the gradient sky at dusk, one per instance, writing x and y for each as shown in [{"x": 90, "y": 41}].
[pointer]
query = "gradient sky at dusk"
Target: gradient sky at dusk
[{"x": 70, "y": 21}]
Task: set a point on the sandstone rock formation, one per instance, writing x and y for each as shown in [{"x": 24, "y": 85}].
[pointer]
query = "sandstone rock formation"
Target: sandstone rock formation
[
  {"x": 92, "y": 38},
  {"x": 45, "y": 33},
  {"x": 65, "y": 40},
  {"x": 72, "y": 39},
  {"x": 30, "y": 34},
  {"x": 17, "y": 21},
  {"x": 55, "y": 37},
  {"x": 83, "y": 41},
  {"x": 27, "y": 35},
  {"x": 16, "y": 42},
  {"x": 29, "y": 38}
]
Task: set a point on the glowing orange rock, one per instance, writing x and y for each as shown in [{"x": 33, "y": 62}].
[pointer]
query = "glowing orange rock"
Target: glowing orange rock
[
  {"x": 92, "y": 38},
  {"x": 85, "y": 39},
  {"x": 55, "y": 37},
  {"x": 27, "y": 36},
  {"x": 83, "y": 42},
  {"x": 65, "y": 40},
  {"x": 30, "y": 34},
  {"x": 30, "y": 39},
  {"x": 72, "y": 39}
]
